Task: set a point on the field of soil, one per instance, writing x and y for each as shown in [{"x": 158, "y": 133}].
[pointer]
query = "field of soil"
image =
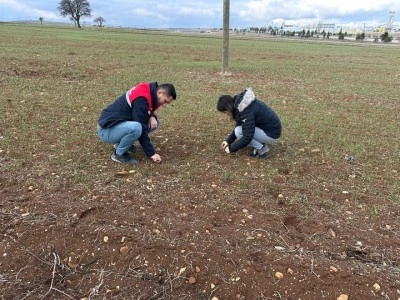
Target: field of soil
[{"x": 307, "y": 223}]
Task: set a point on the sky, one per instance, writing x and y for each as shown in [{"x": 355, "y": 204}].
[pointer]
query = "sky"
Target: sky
[{"x": 209, "y": 13}]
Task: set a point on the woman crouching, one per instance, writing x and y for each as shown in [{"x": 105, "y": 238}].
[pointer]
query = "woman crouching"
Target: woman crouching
[{"x": 257, "y": 125}]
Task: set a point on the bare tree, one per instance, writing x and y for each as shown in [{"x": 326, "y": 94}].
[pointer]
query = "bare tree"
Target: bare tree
[
  {"x": 76, "y": 9},
  {"x": 99, "y": 21},
  {"x": 72, "y": 20}
]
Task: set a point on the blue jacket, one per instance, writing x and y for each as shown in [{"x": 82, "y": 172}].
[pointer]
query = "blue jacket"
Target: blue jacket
[
  {"x": 249, "y": 112},
  {"x": 138, "y": 111}
]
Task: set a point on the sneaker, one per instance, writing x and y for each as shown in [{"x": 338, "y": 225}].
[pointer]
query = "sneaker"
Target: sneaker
[
  {"x": 124, "y": 158},
  {"x": 265, "y": 155},
  {"x": 255, "y": 153},
  {"x": 263, "y": 150}
]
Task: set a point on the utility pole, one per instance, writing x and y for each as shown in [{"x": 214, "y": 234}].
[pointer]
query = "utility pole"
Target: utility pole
[{"x": 225, "y": 51}]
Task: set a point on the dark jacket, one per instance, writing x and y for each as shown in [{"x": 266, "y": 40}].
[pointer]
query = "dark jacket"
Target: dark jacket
[
  {"x": 250, "y": 113},
  {"x": 120, "y": 111}
]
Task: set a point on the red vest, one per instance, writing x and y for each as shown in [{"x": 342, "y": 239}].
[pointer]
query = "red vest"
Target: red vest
[{"x": 140, "y": 90}]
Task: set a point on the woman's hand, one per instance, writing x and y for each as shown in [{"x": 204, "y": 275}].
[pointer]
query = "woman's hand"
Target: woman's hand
[
  {"x": 225, "y": 147},
  {"x": 156, "y": 158}
]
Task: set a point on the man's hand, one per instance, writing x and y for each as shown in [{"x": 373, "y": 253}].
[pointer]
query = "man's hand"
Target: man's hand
[
  {"x": 227, "y": 150},
  {"x": 152, "y": 122},
  {"x": 156, "y": 158},
  {"x": 224, "y": 145}
]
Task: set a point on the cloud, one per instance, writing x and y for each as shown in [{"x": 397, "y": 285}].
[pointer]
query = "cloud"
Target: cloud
[
  {"x": 209, "y": 13},
  {"x": 13, "y": 5},
  {"x": 264, "y": 10},
  {"x": 25, "y": 10},
  {"x": 46, "y": 15}
]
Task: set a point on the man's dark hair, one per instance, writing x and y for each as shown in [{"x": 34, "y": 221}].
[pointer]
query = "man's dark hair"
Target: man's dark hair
[
  {"x": 169, "y": 89},
  {"x": 225, "y": 104}
]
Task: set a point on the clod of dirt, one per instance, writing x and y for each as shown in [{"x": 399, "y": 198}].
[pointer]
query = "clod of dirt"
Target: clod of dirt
[
  {"x": 342, "y": 297},
  {"x": 279, "y": 275}
]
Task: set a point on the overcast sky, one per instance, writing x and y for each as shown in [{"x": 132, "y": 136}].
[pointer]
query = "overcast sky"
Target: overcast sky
[{"x": 208, "y": 13}]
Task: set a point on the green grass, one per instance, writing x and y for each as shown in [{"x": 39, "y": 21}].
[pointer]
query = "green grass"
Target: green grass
[{"x": 335, "y": 97}]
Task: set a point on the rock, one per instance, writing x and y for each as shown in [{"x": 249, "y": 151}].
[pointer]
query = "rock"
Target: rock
[
  {"x": 376, "y": 287},
  {"x": 124, "y": 250},
  {"x": 181, "y": 271},
  {"x": 279, "y": 275},
  {"x": 331, "y": 232},
  {"x": 192, "y": 280},
  {"x": 342, "y": 297}
]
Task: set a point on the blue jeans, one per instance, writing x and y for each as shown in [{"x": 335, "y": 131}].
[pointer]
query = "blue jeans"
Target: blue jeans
[
  {"x": 259, "y": 140},
  {"x": 124, "y": 134}
]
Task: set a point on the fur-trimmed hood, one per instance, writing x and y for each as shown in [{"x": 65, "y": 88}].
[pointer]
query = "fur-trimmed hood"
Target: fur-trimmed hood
[{"x": 244, "y": 99}]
